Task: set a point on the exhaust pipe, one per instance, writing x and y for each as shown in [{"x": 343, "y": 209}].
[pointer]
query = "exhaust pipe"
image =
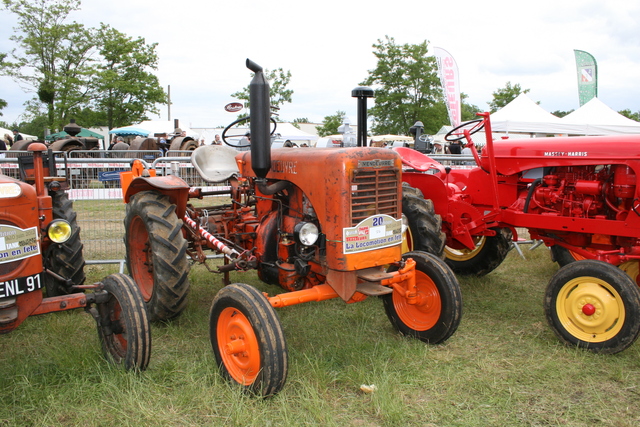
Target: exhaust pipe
[{"x": 260, "y": 115}]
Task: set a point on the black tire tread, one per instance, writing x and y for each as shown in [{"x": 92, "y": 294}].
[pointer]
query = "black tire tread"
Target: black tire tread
[{"x": 425, "y": 224}]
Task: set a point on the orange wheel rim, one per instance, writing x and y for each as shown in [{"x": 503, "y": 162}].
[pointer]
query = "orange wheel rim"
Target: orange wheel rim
[
  {"x": 425, "y": 314},
  {"x": 120, "y": 336},
  {"x": 238, "y": 346},
  {"x": 140, "y": 258}
]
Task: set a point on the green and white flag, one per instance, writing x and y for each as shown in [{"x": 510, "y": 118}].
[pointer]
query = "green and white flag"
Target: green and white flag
[{"x": 587, "y": 76}]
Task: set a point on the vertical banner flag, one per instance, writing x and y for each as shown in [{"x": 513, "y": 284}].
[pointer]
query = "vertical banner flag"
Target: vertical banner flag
[
  {"x": 587, "y": 76},
  {"x": 448, "y": 73}
]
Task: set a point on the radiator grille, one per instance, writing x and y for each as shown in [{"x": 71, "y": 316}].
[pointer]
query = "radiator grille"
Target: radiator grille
[{"x": 374, "y": 191}]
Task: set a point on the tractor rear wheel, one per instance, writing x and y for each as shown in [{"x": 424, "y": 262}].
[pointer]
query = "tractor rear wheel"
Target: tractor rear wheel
[
  {"x": 247, "y": 340},
  {"x": 488, "y": 254},
  {"x": 123, "y": 325},
  {"x": 437, "y": 314},
  {"x": 594, "y": 305},
  {"x": 157, "y": 254},
  {"x": 64, "y": 259},
  {"x": 425, "y": 227}
]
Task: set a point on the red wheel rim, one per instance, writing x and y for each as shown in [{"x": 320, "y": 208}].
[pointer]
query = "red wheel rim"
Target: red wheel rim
[
  {"x": 238, "y": 346},
  {"x": 140, "y": 257}
]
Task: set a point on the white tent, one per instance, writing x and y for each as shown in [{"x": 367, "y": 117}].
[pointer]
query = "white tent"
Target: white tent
[
  {"x": 4, "y": 132},
  {"x": 523, "y": 115},
  {"x": 292, "y": 133},
  {"x": 596, "y": 118}
]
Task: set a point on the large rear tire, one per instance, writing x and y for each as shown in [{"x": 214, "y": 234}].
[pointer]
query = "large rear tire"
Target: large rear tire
[
  {"x": 64, "y": 259},
  {"x": 156, "y": 254},
  {"x": 436, "y": 315},
  {"x": 123, "y": 325},
  {"x": 594, "y": 305},
  {"x": 488, "y": 254},
  {"x": 247, "y": 340},
  {"x": 425, "y": 227}
]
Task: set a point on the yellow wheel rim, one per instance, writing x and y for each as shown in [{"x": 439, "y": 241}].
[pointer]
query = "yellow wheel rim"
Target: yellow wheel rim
[
  {"x": 632, "y": 269},
  {"x": 465, "y": 254},
  {"x": 590, "y": 309}
]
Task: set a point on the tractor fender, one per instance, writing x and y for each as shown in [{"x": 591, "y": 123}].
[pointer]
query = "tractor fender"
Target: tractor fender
[
  {"x": 172, "y": 186},
  {"x": 67, "y": 145}
]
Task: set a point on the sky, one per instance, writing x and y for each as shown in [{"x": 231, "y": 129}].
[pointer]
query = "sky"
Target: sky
[{"x": 328, "y": 48}]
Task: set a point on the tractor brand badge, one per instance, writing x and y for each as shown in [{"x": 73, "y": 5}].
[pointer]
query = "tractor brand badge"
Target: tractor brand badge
[
  {"x": 233, "y": 107},
  {"x": 376, "y": 163},
  {"x": 16, "y": 243},
  {"x": 375, "y": 232},
  {"x": 9, "y": 190},
  {"x": 566, "y": 153}
]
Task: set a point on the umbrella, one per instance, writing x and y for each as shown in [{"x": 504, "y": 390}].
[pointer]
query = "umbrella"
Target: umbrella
[{"x": 130, "y": 131}]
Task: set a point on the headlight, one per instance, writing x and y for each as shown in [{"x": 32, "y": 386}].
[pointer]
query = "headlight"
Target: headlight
[
  {"x": 306, "y": 233},
  {"x": 59, "y": 231}
]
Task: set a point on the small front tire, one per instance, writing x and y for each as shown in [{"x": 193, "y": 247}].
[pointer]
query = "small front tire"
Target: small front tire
[
  {"x": 123, "y": 325},
  {"x": 437, "y": 314},
  {"x": 247, "y": 340},
  {"x": 594, "y": 305}
]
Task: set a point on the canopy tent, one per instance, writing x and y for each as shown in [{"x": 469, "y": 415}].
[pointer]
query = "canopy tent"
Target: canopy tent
[
  {"x": 130, "y": 131},
  {"x": 596, "y": 118},
  {"x": 523, "y": 115},
  {"x": 84, "y": 133},
  {"x": 292, "y": 133},
  {"x": 149, "y": 128}
]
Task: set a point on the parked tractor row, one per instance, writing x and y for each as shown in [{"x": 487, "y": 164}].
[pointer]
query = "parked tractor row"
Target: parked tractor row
[{"x": 348, "y": 223}]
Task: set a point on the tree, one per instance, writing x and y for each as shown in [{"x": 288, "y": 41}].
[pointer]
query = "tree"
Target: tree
[
  {"x": 331, "y": 123},
  {"x": 54, "y": 60},
  {"x": 628, "y": 114},
  {"x": 296, "y": 122},
  {"x": 124, "y": 87},
  {"x": 407, "y": 88},
  {"x": 560, "y": 113},
  {"x": 468, "y": 111},
  {"x": 278, "y": 92},
  {"x": 502, "y": 97}
]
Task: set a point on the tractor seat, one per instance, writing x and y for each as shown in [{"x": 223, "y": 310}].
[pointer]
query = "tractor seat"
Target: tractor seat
[{"x": 215, "y": 163}]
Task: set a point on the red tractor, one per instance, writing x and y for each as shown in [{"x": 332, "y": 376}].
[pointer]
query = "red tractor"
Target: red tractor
[
  {"x": 319, "y": 223},
  {"x": 579, "y": 195},
  {"x": 40, "y": 249}
]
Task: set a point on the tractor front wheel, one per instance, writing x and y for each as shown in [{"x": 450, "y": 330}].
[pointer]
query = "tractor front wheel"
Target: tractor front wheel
[
  {"x": 247, "y": 340},
  {"x": 424, "y": 231},
  {"x": 488, "y": 254},
  {"x": 157, "y": 254},
  {"x": 123, "y": 325},
  {"x": 594, "y": 305},
  {"x": 434, "y": 315}
]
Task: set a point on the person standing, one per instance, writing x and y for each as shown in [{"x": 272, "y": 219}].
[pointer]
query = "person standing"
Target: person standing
[
  {"x": 16, "y": 136},
  {"x": 217, "y": 140}
]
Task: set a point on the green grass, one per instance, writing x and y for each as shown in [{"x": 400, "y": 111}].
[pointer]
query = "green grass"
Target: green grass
[{"x": 503, "y": 367}]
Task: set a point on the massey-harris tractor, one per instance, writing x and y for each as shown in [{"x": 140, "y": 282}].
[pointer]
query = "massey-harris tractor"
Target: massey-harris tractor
[
  {"x": 579, "y": 195},
  {"x": 319, "y": 223},
  {"x": 40, "y": 249}
]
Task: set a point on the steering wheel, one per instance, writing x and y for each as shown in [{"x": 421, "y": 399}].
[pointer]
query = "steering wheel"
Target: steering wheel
[
  {"x": 457, "y": 133},
  {"x": 242, "y": 135}
]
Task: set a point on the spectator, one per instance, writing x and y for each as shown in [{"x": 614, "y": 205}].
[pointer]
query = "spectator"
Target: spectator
[
  {"x": 217, "y": 140},
  {"x": 8, "y": 140},
  {"x": 16, "y": 136}
]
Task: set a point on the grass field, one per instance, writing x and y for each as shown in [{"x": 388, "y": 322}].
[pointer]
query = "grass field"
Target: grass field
[{"x": 503, "y": 367}]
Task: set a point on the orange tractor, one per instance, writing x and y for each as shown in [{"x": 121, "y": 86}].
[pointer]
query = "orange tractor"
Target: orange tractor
[
  {"x": 319, "y": 223},
  {"x": 40, "y": 249}
]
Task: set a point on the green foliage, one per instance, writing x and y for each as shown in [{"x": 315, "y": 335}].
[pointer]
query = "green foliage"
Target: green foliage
[
  {"x": 124, "y": 88},
  {"x": 278, "y": 92},
  {"x": 503, "y": 96},
  {"x": 628, "y": 114},
  {"x": 560, "y": 113},
  {"x": 407, "y": 89},
  {"x": 468, "y": 111},
  {"x": 54, "y": 57},
  {"x": 330, "y": 124}
]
